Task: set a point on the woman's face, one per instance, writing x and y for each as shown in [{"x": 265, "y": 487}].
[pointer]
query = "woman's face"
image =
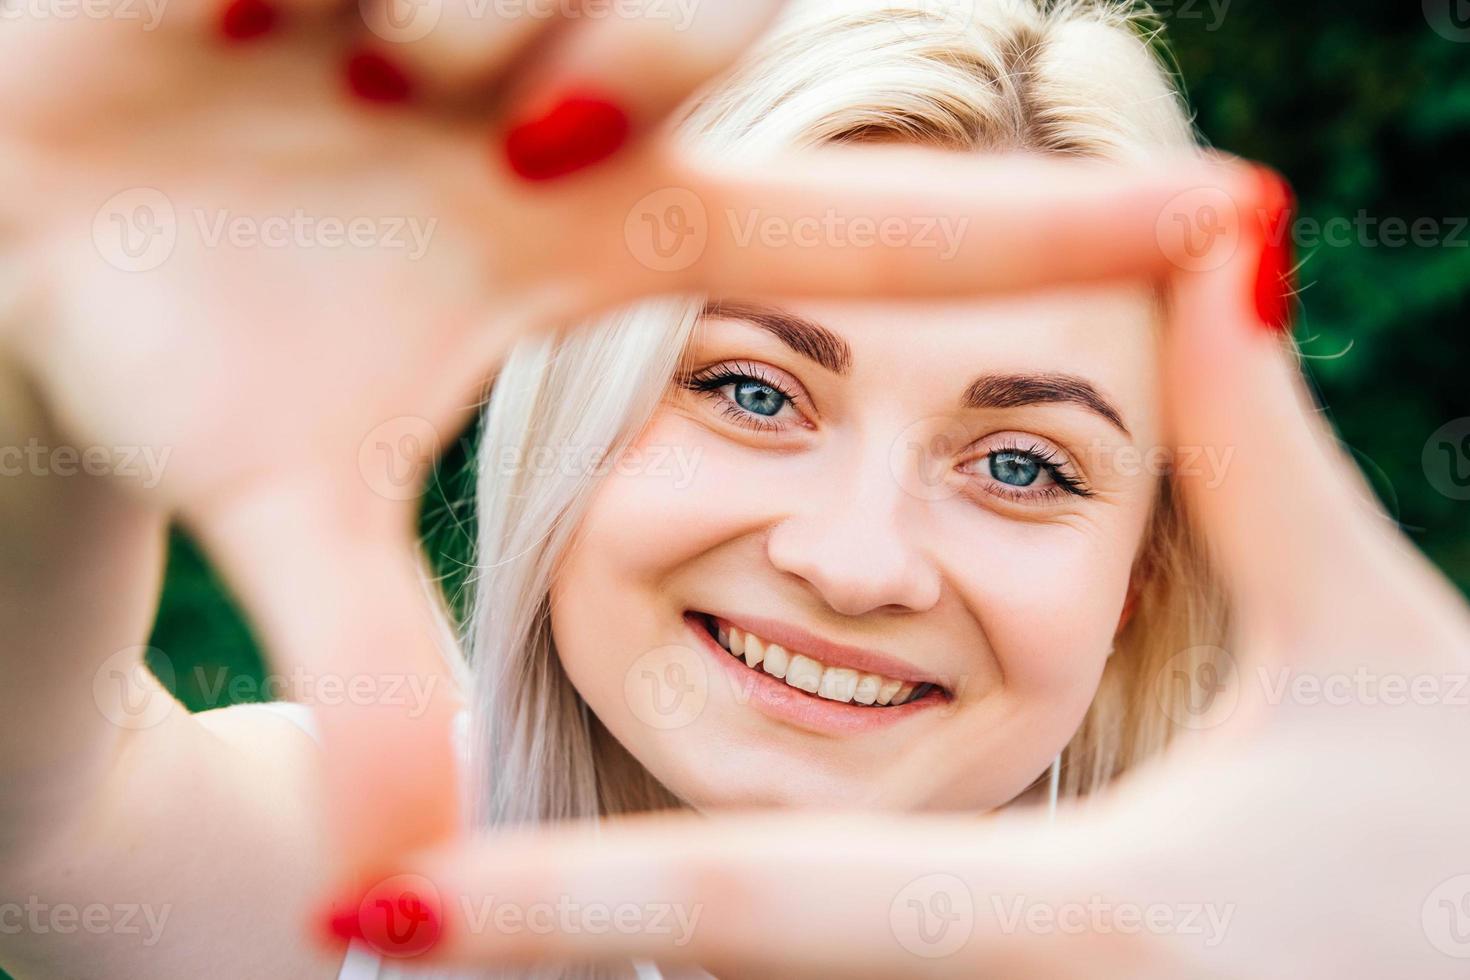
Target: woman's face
[{"x": 934, "y": 498}]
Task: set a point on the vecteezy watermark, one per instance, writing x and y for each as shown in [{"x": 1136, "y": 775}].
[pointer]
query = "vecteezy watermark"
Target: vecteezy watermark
[
  {"x": 138, "y": 230},
  {"x": 669, "y": 230},
  {"x": 405, "y": 21},
  {"x": 676, "y": 463},
  {"x": 396, "y": 457},
  {"x": 129, "y": 694},
  {"x": 1364, "y": 687},
  {"x": 1212, "y": 12},
  {"x": 1364, "y": 230},
  {"x": 935, "y": 19},
  {"x": 1450, "y": 19},
  {"x": 1102, "y": 916},
  {"x": 1446, "y": 917},
  {"x": 143, "y": 464},
  {"x": 568, "y": 917},
  {"x": 148, "y": 12},
  {"x": 1195, "y": 688},
  {"x": 1446, "y": 459},
  {"x": 412, "y": 692},
  {"x": 667, "y": 687},
  {"x": 39, "y": 918},
  {"x": 933, "y": 916}
]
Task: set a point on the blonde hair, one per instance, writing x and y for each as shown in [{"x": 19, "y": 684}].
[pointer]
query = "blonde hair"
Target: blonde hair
[{"x": 1077, "y": 78}]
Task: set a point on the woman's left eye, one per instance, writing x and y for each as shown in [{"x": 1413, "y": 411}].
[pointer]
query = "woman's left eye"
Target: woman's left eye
[{"x": 1026, "y": 473}]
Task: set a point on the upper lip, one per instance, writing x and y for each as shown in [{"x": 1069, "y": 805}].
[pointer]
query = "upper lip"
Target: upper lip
[{"x": 832, "y": 654}]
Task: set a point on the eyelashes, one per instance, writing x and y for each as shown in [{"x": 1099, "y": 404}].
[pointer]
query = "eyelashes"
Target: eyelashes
[
  {"x": 751, "y": 385},
  {"x": 1012, "y": 467}
]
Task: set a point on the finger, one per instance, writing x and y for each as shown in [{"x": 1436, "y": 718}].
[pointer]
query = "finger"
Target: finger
[
  {"x": 607, "y": 77},
  {"x": 1292, "y": 523},
  {"x": 450, "y": 48},
  {"x": 329, "y": 575},
  {"x": 880, "y": 221},
  {"x": 777, "y": 896}
]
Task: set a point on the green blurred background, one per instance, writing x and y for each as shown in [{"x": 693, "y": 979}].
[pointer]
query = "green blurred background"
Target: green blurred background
[{"x": 1365, "y": 105}]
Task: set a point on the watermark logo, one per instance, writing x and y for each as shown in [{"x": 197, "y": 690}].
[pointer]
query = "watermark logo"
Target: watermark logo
[
  {"x": 126, "y": 692},
  {"x": 936, "y": 20},
  {"x": 568, "y": 917},
  {"x": 1446, "y": 459},
  {"x": 1199, "y": 230},
  {"x": 668, "y": 687},
  {"x": 401, "y": 916},
  {"x": 136, "y": 230},
  {"x": 1446, "y": 917},
  {"x": 922, "y": 457},
  {"x": 1194, "y": 688},
  {"x": 668, "y": 230},
  {"x": 933, "y": 916},
  {"x": 395, "y": 458},
  {"x": 401, "y": 21},
  {"x": 1450, "y": 19}
]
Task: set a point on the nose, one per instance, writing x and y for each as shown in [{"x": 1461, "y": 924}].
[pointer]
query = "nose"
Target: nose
[{"x": 857, "y": 549}]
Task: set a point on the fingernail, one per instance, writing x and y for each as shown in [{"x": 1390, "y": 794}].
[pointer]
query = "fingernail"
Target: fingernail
[
  {"x": 374, "y": 78},
  {"x": 399, "y": 917},
  {"x": 245, "y": 20},
  {"x": 340, "y": 923},
  {"x": 1275, "y": 286},
  {"x": 581, "y": 130}
]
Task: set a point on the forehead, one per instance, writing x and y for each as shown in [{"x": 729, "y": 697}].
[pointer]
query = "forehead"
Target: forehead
[{"x": 1109, "y": 331}]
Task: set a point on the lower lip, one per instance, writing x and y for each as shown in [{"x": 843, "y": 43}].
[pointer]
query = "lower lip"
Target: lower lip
[{"x": 779, "y": 700}]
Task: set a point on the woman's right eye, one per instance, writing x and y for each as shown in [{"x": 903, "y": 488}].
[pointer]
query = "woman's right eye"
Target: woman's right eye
[{"x": 747, "y": 395}]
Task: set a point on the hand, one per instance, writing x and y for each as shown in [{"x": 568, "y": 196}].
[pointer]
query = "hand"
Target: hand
[
  {"x": 184, "y": 288},
  {"x": 1287, "y": 837}
]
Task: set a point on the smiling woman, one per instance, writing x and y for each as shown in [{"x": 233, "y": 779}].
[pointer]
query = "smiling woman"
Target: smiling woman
[{"x": 904, "y": 519}]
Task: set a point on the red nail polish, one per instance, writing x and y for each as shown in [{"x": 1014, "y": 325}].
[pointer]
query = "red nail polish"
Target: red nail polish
[
  {"x": 373, "y": 78},
  {"x": 342, "y": 923},
  {"x": 399, "y": 917},
  {"x": 580, "y": 131},
  {"x": 244, "y": 20},
  {"x": 1275, "y": 287}
]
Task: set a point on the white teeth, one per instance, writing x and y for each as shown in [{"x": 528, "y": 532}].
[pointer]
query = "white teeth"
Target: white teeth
[
  {"x": 867, "y": 689},
  {"x": 807, "y": 674},
  {"x": 838, "y": 684},
  {"x": 804, "y": 674},
  {"x": 777, "y": 660},
  {"x": 755, "y": 650}
]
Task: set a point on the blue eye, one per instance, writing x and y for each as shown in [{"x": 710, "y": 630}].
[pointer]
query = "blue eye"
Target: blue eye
[
  {"x": 1015, "y": 469},
  {"x": 757, "y": 398}
]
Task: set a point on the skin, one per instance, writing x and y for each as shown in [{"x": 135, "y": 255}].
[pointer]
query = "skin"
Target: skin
[{"x": 816, "y": 521}]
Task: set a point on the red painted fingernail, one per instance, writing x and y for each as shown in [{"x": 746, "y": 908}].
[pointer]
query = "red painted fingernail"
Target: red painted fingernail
[
  {"x": 400, "y": 917},
  {"x": 245, "y": 20},
  {"x": 580, "y": 131},
  {"x": 339, "y": 923},
  {"x": 374, "y": 78},
  {"x": 1275, "y": 287}
]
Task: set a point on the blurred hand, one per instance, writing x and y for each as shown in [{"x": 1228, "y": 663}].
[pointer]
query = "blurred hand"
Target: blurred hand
[
  {"x": 223, "y": 255},
  {"x": 1290, "y": 835}
]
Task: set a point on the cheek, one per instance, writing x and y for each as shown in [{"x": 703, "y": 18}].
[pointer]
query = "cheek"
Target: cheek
[
  {"x": 1048, "y": 598},
  {"x": 678, "y": 493}
]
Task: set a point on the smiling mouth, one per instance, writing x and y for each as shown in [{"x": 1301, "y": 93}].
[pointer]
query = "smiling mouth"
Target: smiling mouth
[{"x": 804, "y": 673}]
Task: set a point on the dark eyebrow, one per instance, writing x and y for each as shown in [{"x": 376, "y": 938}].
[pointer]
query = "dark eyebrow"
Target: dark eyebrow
[
  {"x": 811, "y": 340},
  {"x": 1019, "y": 390}
]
